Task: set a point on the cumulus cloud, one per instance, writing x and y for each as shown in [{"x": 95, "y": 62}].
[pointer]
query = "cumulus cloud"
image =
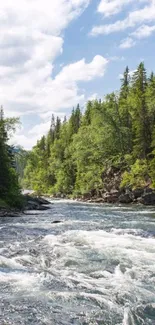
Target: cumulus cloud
[
  {"x": 134, "y": 17},
  {"x": 25, "y": 141},
  {"x": 112, "y": 7},
  {"x": 31, "y": 39},
  {"x": 82, "y": 71}
]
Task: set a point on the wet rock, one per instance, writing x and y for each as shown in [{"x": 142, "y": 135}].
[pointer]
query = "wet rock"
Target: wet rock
[
  {"x": 86, "y": 196},
  {"x": 125, "y": 198},
  {"x": 36, "y": 203},
  {"x": 111, "y": 197},
  {"x": 42, "y": 201},
  {"x": 71, "y": 263},
  {"x": 148, "y": 199},
  {"x": 137, "y": 193},
  {"x": 148, "y": 190},
  {"x": 9, "y": 213},
  {"x": 43, "y": 208},
  {"x": 36, "y": 200},
  {"x": 56, "y": 221}
]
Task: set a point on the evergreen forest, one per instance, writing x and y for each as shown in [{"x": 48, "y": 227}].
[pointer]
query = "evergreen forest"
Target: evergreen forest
[
  {"x": 10, "y": 193},
  {"x": 116, "y": 133}
]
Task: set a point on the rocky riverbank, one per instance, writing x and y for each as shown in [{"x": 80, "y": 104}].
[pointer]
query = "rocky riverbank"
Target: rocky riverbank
[
  {"x": 145, "y": 196},
  {"x": 113, "y": 192},
  {"x": 30, "y": 203}
]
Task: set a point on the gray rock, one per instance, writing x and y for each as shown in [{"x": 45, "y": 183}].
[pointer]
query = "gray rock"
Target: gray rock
[
  {"x": 137, "y": 193},
  {"x": 125, "y": 198},
  {"x": 36, "y": 203},
  {"x": 56, "y": 221},
  {"x": 97, "y": 200},
  {"x": 42, "y": 201},
  {"x": 148, "y": 199},
  {"x": 111, "y": 197}
]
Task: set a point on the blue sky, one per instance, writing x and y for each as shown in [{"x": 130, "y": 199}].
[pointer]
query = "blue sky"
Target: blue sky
[{"x": 57, "y": 53}]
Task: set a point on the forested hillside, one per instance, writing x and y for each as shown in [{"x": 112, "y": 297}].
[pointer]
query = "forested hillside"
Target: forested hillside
[
  {"x": 9, "y": 187},
  {"x": 113, "y": 134}
]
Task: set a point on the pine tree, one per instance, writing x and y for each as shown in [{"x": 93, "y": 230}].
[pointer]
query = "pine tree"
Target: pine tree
[
  {"x": 139, "y": 111},
  {"x": 88, "y": 114},
  {"x": 124, "y": 109},
  {"x": 57, "y": 128},
  {"x": 75, "y": 120},
  {"x": 150, "y": 99},
  {"x": 52, "y": 129}
]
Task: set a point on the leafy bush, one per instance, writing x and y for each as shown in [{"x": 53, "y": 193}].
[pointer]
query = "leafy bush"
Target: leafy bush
[{"x": 138, "y": 175}]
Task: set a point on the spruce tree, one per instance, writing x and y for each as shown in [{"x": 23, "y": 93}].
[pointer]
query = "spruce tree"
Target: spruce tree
[
  {"x": 124, "y": 110},
  {"x": 139, "y": 111}
]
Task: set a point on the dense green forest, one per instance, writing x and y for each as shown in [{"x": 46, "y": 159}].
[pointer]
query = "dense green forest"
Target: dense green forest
[
  {"x": 116, "y": 132},
  {"x": 9, "y": 187}
]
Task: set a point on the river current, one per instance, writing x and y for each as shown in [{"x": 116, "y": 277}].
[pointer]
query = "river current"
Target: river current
[{"x": 96, "y": 267}]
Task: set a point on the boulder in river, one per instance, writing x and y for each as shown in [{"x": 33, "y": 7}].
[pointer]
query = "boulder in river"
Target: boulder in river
[{"x": 56, "y": 221}]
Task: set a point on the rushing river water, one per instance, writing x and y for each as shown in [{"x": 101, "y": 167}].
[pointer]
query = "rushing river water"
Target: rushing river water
[{"x": 97, "y": 267}]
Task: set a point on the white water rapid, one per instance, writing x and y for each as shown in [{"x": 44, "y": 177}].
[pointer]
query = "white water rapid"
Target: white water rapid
[{"x": 96, "y": 267}]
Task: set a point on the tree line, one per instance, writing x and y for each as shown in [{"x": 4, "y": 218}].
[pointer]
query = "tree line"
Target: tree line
[
  {"x": 116, "y": 131},
  {"x": 10, "y": 194}
]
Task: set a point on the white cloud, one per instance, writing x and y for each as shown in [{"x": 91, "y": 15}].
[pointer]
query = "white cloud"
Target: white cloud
[
  {"x": 30, "y": 40},
  {"x": 127, "y": 43},
  {"x": 112, "y": 7},
  {"x": 139, "y": 16},
  {"x": 41, "y": 128},
  {"x": 35, "y": 90},
  {"x": 25, "y": 141},
  {"x": 143, "y": 31},
  {"x": 82, "y": 71},
  {"x": 61, "y": 92}
]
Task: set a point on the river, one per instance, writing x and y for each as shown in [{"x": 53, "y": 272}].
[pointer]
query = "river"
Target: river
[{"x": 97, "y": 267}]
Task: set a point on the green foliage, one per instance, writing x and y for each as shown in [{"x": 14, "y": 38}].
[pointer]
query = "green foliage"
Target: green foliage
[
  {"x": 119, "y": 131},
  {"x": 138, "y": 175},
  {"x": 9, "y": 187},
  {"x": 3, "y": 204},
  {"x": 152, "y": 169}
]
